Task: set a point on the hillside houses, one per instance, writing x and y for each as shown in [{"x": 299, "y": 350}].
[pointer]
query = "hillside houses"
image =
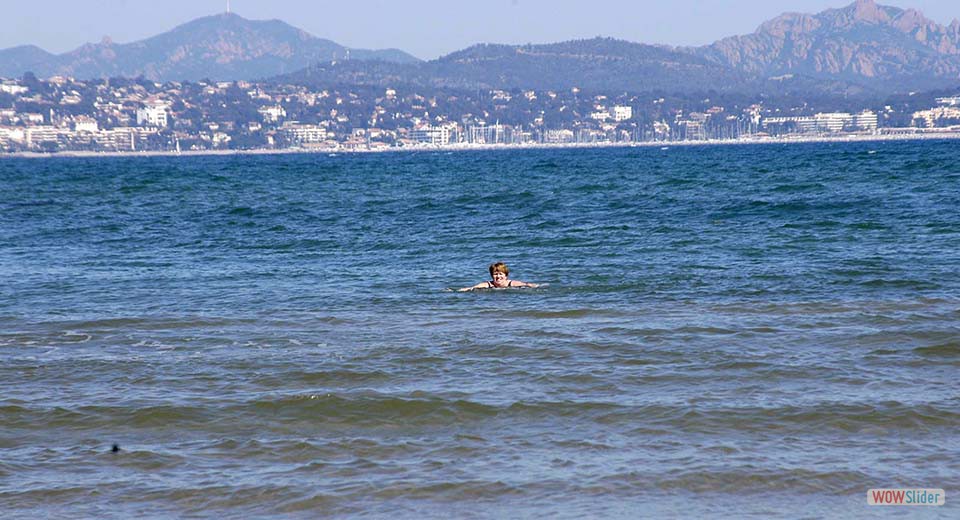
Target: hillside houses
[{"x": 63, "y": 114}]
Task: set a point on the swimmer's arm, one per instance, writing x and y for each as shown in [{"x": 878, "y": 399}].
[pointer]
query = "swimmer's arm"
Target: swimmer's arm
[
  {"x": 518, "y": 283},
  {"x": 481, "y": 285}
]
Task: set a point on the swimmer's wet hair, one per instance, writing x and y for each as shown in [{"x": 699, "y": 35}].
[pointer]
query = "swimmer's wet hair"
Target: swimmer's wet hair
[{"x": 499, "y": 267}]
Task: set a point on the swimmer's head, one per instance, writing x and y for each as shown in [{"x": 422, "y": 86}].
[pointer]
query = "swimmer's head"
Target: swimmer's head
[
  {"x": 499, "y": 274},
  {"x": 499, "y": 267}
]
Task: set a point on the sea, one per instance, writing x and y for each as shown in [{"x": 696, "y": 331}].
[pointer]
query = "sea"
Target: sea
[{"x": 735, "y": 331}]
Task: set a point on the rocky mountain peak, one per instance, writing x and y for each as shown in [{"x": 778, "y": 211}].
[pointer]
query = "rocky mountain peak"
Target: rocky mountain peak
[
  {"x": 868, "y": 11},
  {"x": 862, "y": 42},
  {"x": 789, "y": 23},
  {"x": 911, "y": 20}
]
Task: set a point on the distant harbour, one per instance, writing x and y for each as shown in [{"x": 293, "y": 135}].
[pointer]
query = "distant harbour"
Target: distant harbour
[{"x": 798, "y": 139}]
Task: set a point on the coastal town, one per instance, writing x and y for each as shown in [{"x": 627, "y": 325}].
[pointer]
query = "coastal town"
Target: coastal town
[{"x": 63, "y": 114}]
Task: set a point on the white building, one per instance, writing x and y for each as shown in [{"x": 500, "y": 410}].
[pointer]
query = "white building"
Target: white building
[
  {"x": 86, "y": 125},
  {"x": 558, "y": 136},
  {"x": 866, "y": 120},
  {"x": 221, "y": 139},
  {"x": 622, "y": 113},
  {"x": 124, "y": 138},
  {"x": 12, "y": 133},
  {"x": 152, "y": 115},
  {"x": 272, "y": 114},
  {"x": 833, "y": 121},
  {"x": 600, "y": 115},
  {"x": 661, "y": 130},
  {"x": 13, "y": 88},
  {"x": 790, "y": 124},
  {"x": 33, "y": 119},
  {"x": 429, "y": 134},
  {"x": 299, "y": 133},
  {"x": 827, "y": 122},
  {"x": 36, "y": 135},
  {"x": 6, "y": 136},
  {"x": 931, "y": 118}
]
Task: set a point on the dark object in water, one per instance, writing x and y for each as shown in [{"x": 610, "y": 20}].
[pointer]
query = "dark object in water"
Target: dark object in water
[{"x": 115, "y": 448}]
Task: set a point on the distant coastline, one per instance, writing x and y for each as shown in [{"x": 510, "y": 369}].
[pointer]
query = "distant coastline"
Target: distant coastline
[{"x": 464, "y": 147}]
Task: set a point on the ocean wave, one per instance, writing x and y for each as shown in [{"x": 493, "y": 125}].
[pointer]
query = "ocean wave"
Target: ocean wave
[
  {"x": 449, "y": 491},
  {"x": 736, "y": 480},
  {"x": 243, "y": 500},
  {"x": 147, "y": 323},
  {"x": 828, "y": 416},
  {"x": 94, "y": 417},
  {"x": 323, "y": 377},
  {"x": 564, "y": 314},
  {"x": 943, "y": 350},
  {"x": 383, "y": 410},
  {"x": 368, "y": 410}
]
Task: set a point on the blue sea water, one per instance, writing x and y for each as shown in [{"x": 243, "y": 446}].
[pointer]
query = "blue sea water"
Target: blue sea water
[{"x": 725, "y": 331}]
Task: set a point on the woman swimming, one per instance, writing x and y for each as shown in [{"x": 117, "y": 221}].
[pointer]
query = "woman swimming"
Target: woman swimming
[{"x": 500, "y": 279}]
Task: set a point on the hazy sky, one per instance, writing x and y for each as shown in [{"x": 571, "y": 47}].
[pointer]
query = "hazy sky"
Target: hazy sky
[{"x": 424, "y": 28}]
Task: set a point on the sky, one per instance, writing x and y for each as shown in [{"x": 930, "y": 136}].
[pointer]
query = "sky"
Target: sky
[{"x": 425, "y": 28}]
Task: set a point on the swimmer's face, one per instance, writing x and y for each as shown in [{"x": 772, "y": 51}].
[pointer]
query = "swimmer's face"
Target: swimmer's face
[{"x": 499, "y": 279}]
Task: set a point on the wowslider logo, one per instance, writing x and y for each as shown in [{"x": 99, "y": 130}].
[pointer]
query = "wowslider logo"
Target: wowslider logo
[{"x": 906, "y": 497}]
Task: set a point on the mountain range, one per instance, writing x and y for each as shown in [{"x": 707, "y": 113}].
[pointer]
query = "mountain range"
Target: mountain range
[
  {"x": 861, "y": 49},
  {"x": 219, "y": 47},
  {"x": 883, "y": 47}
]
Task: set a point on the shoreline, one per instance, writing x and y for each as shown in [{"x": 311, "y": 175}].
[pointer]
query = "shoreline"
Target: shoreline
[{"x": 463, "y": 147}]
